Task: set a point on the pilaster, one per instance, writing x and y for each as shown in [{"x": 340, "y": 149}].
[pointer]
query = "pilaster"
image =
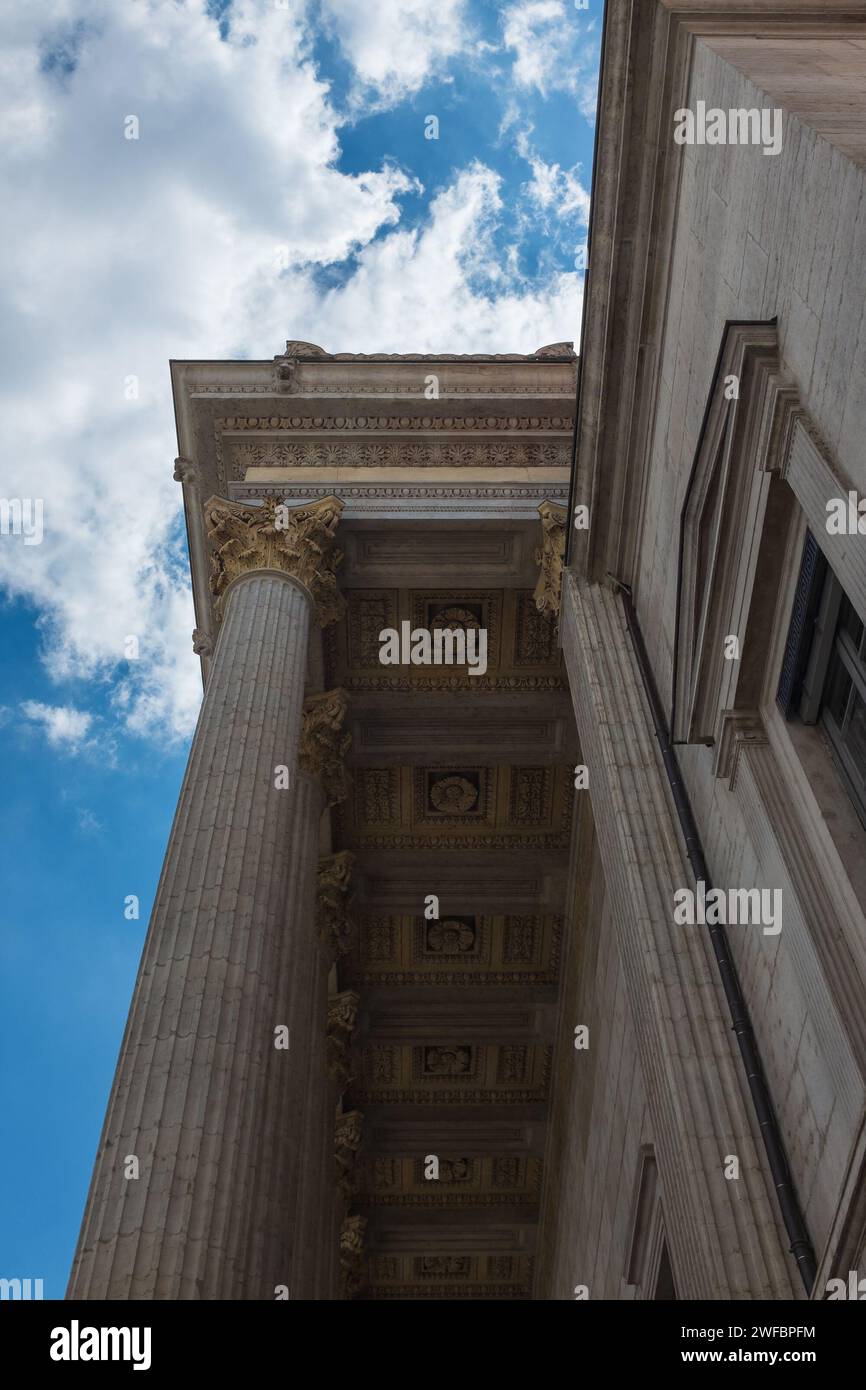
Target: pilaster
[{"x": 724, "y": 1238}]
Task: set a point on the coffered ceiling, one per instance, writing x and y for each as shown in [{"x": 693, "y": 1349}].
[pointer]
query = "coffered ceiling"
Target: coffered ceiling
[{"x": 462, "y": 787}]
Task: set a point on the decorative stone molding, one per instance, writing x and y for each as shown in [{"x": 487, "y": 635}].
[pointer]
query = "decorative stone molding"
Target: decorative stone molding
[
  {"x": 348, "y": 1135},
  {"x": 420, "y": 500},
  {"x": 376, "y": 424},
  {"x": 468, "y": 493},
  {"x": 351, "y": 387},
  {"x": 202, "y": 643},
  {"x": 342, "y": 1021},
  {"x": 296, "y": 540},
  {"x": 323, "y": 746},
  {"x": 353, "y": 1234},
  {"x": 185, "y": 471},
  {"x": 737, "y": 729},
  {"x": 551, "y": 557},
  {"x": 384, "y": 452},
  {"x": 551, "y": 350},
  {"x": 335, "y": 929}
]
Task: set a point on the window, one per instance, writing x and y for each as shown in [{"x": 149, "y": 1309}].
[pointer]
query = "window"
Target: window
[
  {"x": 824, "y": 673},
  {"x": 665, "y": 1288}
]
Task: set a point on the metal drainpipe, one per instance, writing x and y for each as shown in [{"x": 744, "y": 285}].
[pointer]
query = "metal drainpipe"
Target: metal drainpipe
[{"x": 801, "y": 1245}]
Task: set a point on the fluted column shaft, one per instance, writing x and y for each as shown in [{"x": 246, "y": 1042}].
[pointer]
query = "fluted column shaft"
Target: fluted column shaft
[
  {"x": 199, "y": 1082},
  {"x": 725, "y": 1237}
]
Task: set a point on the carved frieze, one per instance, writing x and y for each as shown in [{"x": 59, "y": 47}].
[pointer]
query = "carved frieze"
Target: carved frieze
[
  {"x": 384, "y": 453},
  {"x": 297, "y": 540},
  {"x": 323, "y": 745}
]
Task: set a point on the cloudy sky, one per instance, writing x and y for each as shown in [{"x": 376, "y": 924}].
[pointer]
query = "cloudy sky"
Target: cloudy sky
[{"x": 279, "y": 183}]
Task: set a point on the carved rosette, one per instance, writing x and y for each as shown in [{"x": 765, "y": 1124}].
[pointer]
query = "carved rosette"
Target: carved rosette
[
  {"x": 342, "y": 1021},
  {"x": 323, "y": 745},
  {"x": 348, "y": 1134},
  {"x": 297, "y": 540},
  {"x": 551, "y": 557},
  {"x": 336, "y": 930},
  {"x": 353, "y": 1234}
]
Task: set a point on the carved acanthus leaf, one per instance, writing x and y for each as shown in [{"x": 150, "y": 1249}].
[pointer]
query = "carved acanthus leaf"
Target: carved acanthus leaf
[
  {"x": 297, "y": 540},
  {"x": 323, "y": 745},
  {"x": 551, "y": 557}
]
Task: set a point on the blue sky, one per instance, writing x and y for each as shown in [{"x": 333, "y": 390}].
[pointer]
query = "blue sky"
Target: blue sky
[{"x": 281, "y": 185}]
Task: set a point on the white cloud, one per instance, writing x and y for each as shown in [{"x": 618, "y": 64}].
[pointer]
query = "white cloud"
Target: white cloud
[
  {"x": 443, "y": 287},
  {"x": 555, "y": 49},
  {"x": 396, "y": 47},
  {"x": 553, "y": 189},
  {"x": 122, "y": 254},
  {"x": 64, "y": 727},
  {"x": 88, "y": 823}
]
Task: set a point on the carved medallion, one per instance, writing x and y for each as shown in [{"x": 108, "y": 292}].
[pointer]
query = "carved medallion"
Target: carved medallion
[{"x": 453, "y": 795}]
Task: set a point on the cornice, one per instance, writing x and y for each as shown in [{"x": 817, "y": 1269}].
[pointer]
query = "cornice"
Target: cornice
[{"x": 559, "y": 352}]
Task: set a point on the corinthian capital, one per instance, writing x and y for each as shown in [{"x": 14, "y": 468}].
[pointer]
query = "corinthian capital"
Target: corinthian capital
[
  {"x": 342, "y": 1019},
  {"x": 348, "y": 1133},
  {"x": 336, "y": 930},
  {"x": 551, "y": 557},
  {"x": 323, "y": 745},
  {"x": 353, "y": 1238},
  {"x": 297, "y": 540}
]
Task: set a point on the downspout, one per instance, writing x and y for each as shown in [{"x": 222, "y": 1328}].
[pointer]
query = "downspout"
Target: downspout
[{"x": 801, "y": 1245}]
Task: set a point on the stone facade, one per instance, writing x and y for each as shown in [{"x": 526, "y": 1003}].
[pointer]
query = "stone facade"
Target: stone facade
[{"x": 721, "y": 409}]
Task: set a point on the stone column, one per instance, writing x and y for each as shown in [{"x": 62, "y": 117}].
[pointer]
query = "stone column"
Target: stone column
[
  {"x": 203, "y": 1098},
  {"x": 725, "y": 1237}
]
